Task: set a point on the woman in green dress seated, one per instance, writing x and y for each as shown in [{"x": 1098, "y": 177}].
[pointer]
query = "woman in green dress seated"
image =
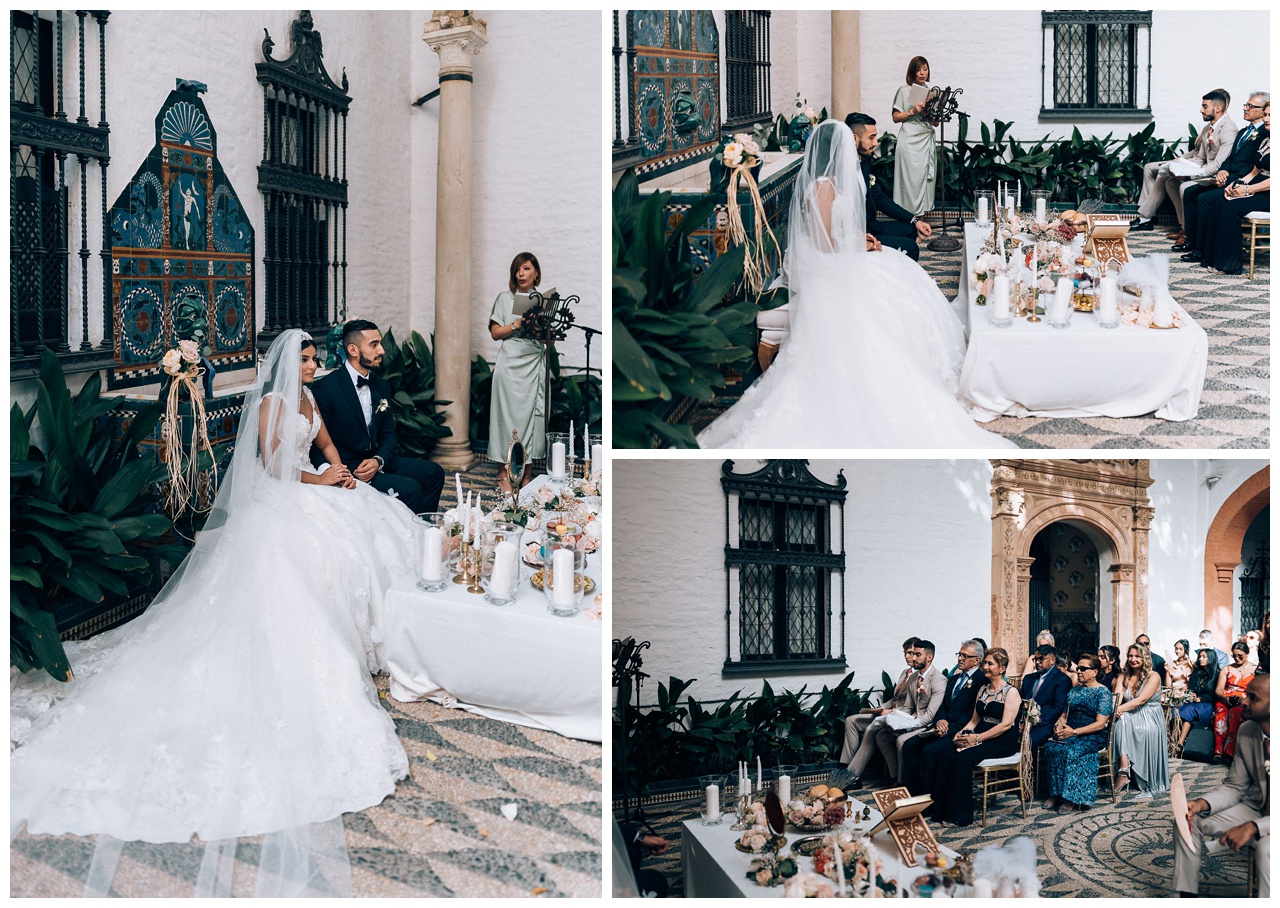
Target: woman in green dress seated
[
  {"x": 1071, "y": 755},
  {"x": 914, "y": 161},
  {"x": 517, "y": 400}
]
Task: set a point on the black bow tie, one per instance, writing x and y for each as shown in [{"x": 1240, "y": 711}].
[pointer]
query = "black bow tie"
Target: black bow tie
[{"x": 362, "y": 381}]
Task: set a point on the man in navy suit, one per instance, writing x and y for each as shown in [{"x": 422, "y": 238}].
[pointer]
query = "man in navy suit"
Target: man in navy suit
[
  {"x": 963, "y": 684},
  {"x": 1048, "y": 687},
  {"x": 900, "y": 232},
  {"x": 356, "y": 408}
]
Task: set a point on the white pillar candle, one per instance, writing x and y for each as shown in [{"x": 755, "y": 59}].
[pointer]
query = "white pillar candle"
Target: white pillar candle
[
  {"x": 784, "y": 790},
  {"x": 982, "y": 210},
  {"x": 1062, "y": 302},
  {"x": 557, "y": 459},
  {"x": 1107, "y": 299},
  {"x": 597, "y": 459},
  {"x": 1000, "y": 296},
  {"x": 1009, "y": 203},
  {"x": 982, "y": 889},
  {"x": 504, "y": 568},
  {"x": 1163, "y": 315},
  {"x": 713, "y": 802},
  {"x": 1042, "y": 210},
  {"x": 562, "y": 592},
  {"x": 432, "y": 544}
]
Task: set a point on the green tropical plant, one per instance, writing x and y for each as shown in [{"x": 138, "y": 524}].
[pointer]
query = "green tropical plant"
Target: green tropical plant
[
  {"x": 674, "y": 741},
  {"x": 673, "y": 328},
  {"x": 79, "y": 499},
  {"x": 481, "y": 398},
  {"x": 410, "y": 369}
]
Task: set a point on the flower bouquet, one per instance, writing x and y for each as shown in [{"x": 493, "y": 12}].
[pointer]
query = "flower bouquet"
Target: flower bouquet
[
  {"x": 758, "y": 839},
  {"x": 187, "y": 381},
  {"x": 822, "y": 807},
  {"x": 771, "y": 870},
  {"x": 808, "y": 885},
  {"x": 860, "y": 862}
]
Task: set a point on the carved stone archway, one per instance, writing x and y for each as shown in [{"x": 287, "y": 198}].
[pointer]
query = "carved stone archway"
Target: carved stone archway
[
  {"x": 1109, "y": 497},
  {"x": 1222, "y": 550}
]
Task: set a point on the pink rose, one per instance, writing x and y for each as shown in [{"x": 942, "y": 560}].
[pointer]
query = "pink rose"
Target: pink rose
[{"x": 190, "y": 350}]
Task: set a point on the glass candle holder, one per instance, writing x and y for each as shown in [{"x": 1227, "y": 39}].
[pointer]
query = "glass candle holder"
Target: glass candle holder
[
  {"x": 435, "y": 538},
  {"x": 983, "y": 206},
  {"x": 1040, "y": 205},
  {"x": 784, "y": 777},
  {"x": 500, "y": 565},
  {"x": 714, "y": 796},
  {"x": 560, "y": 457},
  {"x": 564, "y": 579}
]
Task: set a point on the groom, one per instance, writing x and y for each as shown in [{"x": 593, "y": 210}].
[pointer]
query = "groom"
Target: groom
[
  {"x": 889, "y": 233},
  {"x": 355, "y": 406}
]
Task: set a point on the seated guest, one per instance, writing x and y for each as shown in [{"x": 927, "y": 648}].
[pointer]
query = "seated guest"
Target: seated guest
[
  {"x": 902, "y": 234},
  {"x": 640, "y": 845},
  {"x": 1079, "y": 734},
  {"x": 1237, "y": 811},
  {"x": 1048, "y": 687},
  {"x": 1157, "y": 660},
  {"x": 1222, "y": 211},
  {"x": 1264, "y": 646},
  {"x": 1201, "y": 685},
  {"x": 1237, "y": 164},
  {"x": 1208, "y": 153},
  {"x": 1252, "y": 639},
  {"x": 1205, "y": 638},
  {"x": 1068, "y": 668},
  {"x": 1141, "y": 739},
  {"x": 1109, "y": 668},
  {"x": 992, "y": 731},
  {"x": 1179, "y": 670},
  {"x": 957, "y": 707},
  {"x": 1031, "y": 665},
  {"x": 925, "y": 691},
  {"x": 1228, "y": 703},
  {"x": 856, "y": 726}
]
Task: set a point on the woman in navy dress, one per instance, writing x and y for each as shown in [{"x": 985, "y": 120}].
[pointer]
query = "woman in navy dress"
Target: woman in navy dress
[
  {"x": 1221, "y": 211},
  {"x": 992, "y": 731},
  {"x": 1080, "y": 733},
  {"x": 1198, "y": 709}
]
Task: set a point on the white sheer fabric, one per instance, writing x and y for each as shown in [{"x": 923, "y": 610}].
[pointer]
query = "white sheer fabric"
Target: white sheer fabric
[
  {"x": 241, "y": 702},
  {"x": 875, "y": 351}
]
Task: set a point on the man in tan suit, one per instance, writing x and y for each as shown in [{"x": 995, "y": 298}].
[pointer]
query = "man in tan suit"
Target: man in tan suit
[
  {"x": 1211, "y": 148},
  {"x": 1239, "y": 810},
  {"x": 855, "y": 726},
  {"x": 925, "y": 691}
]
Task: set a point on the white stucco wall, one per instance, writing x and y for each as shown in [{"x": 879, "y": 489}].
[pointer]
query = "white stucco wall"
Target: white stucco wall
[
  {"x": 536, "y": 140},
  {"x": 918, "y": 544}
]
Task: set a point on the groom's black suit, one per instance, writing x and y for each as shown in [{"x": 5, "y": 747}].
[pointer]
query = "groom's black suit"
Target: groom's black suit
[
  {"x": 889, "y": 233},
  {"x": 417, "y": 483}
]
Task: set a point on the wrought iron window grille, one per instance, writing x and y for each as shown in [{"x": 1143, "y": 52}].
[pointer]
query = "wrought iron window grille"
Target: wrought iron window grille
[
  {"x": 43, "y": 208},
  {"x": 783, "y": 576},
  {"x": 1089, "y": 65},
  {"x": 1255, "y": 592},
  {"x": 303, "y": 181},
  {"x": 747, "y": 69}
]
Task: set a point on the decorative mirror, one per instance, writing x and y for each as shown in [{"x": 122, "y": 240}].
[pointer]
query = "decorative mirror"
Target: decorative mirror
[{"x": 516, "y": 462}]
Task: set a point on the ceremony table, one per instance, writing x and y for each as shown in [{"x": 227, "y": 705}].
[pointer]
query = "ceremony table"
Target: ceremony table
[
  {"x": 1033, "y": 369},
  {"x": 516, "y": 663},
  {"x": 714, "y": 868}
]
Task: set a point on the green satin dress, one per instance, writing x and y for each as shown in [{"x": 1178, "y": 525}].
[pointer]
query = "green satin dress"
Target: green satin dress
[
  {"x": 915, "y": 159},
  {"x": 516, "y": 402}
]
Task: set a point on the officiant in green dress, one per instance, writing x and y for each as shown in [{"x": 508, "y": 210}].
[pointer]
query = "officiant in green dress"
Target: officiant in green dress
[
  {"x": 517, "y": 402},
  {"x": 915, "y": 155}
]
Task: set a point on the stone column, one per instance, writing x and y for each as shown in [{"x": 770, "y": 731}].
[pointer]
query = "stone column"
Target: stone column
[
  {"x": 1008, "y": 513},
  {"x": 846, "y": 82},
  {"x": 1123, "y": 603},
  {"x": 456, "y": 38},
  {"x": 1019, "y": 646}
]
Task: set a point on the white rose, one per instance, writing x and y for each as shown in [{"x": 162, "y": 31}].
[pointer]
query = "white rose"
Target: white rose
[
  {"x": 172, "y": 362},
  {"x": 732, "y": 154}
]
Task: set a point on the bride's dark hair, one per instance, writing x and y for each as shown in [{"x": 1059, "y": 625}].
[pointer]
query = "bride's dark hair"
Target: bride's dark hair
[{"x": 307, "y": 341}]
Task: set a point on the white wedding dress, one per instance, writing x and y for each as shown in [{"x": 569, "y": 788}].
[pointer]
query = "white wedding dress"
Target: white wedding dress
[
  {"x": 240, "y": 702},
  {"x": 875, "y": 351}
]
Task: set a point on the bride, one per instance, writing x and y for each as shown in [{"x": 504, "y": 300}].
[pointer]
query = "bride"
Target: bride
[
  {"x": 240, "y": 702},
  {"x": 875, "y": 352}
]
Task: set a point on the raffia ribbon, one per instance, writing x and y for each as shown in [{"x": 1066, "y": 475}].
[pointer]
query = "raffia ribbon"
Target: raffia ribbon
[
  {"x": 756, "y": 266},
  {"x": 183, "y": 467}
]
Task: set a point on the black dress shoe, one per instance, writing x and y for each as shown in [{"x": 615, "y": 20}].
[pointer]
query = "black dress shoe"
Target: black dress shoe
[
  {"x": 1142, "y": 225},
  {"x": 1192, "y": 256},
  {"x": 1182, "y": 247}
]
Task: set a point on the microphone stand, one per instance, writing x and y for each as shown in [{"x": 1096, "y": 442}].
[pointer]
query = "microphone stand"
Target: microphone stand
[
  {"x": 941, "y": 108},
  {"x": 627, "y": 677},
  {"x": 586, "y": 396}
]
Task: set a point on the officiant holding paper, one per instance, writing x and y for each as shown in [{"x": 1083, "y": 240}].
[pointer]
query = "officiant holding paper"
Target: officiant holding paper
[
  {"x": 518, "y": 401},
  {"x": 915, "y": 156}
]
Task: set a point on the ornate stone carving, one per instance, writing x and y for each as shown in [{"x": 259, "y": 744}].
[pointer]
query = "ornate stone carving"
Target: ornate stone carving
[{"x": 456, "y": 36}]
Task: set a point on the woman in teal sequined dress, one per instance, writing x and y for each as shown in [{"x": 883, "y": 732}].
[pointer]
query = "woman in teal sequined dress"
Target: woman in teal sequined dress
[{"x": 1080, "y": 734}]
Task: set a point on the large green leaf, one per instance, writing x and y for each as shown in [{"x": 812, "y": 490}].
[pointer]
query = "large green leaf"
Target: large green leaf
[
  {"x": 635, "y": 365},
  {"x": 40, "y": 632},
  {"x": 19, "y": 436},
  {"x": 718, "y": 280},
  {"x": 123, "y": 488}
]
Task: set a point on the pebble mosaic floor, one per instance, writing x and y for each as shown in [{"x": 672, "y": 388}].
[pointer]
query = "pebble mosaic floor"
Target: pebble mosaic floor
[
  {"x": 1236, "y": 404},
  {"x": 1124, "y": 850},
  {"x": 442, "y": 833}
]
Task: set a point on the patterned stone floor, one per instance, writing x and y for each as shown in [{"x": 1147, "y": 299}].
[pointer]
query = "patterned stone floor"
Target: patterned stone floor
[
  {"x": 443, "y": 833},
  {"x": 1235, "y": 407},
  {"x": 1123, "y": 850}
]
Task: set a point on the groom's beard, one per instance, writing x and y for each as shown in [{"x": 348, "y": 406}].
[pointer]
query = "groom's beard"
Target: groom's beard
[{"x": 370, "y": 363}]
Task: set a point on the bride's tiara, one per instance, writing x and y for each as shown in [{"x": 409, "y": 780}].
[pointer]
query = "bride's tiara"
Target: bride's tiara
[{"x": 306, "y": 335}]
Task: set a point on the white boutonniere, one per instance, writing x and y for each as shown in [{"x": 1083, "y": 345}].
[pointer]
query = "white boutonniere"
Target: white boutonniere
[
  {"x": 383, "y": 406},
  {"x": 873, "y": 179}
]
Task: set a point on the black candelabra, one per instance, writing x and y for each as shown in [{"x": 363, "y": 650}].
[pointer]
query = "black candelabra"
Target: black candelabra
[
  {"x": 627, "y": 677},
  {"x": 941, "y": 107},
  {"x": 547, "y": 321}
]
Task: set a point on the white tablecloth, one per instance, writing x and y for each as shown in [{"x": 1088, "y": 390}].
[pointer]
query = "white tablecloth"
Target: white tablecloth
[
  {"x": 1084, "y": 370},
  {"x": 516, "y": 663},
  {"x": 714, "y": 868}
]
